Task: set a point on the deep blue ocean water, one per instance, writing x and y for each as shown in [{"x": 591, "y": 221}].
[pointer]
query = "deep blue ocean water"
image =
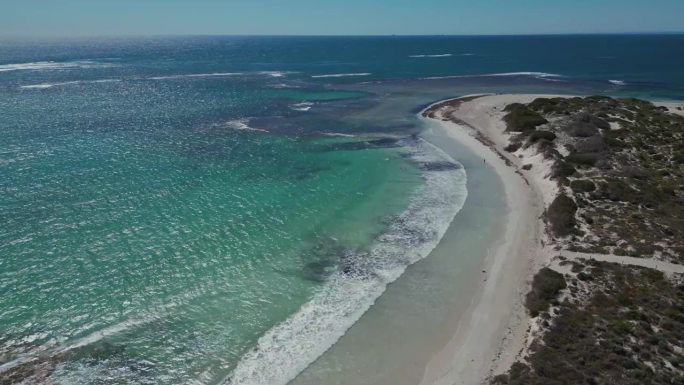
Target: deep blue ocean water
[{"x": 207, "y": 209}]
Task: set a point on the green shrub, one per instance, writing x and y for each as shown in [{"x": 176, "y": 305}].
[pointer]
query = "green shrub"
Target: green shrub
[
  {"x": 563, "y": 169},
  {"x": 522, "y": 119},
  {"x": 512, "y": 147},
  {"x": 545, "y": 288},
  {"x": 561, "y": 215},
  {"x": 582, "y": 185},
  {"x": 582, "y": 159},
  {"x": 618, "y": 191},
  {"x": 541, "y": 134}
]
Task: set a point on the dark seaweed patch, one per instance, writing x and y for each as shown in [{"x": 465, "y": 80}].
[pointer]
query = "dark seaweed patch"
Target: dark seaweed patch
[{"x": 438, "y": 166}]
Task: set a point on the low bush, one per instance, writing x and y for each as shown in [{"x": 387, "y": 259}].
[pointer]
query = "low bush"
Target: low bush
[
  {"x": 541, "y": 134},
  {"x": 582, "y": 185},
  {"x": 546, "y": 286},
  {"x": 522, "y": 119},
  {"x": 561, "y": 215},
  {"x": 582, "y": 159},
  {"x": 617, "y": 191},
  {"x": 562, "y": 169},
  {"x": 513, "y": 147}
]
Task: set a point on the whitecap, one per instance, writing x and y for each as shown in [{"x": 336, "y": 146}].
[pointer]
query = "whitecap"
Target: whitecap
[
  {"x": 338, "y": 134},
  {"x": 342, "y": 75},
  {"x": 618, "y": 82},
  {"x": 239, "y": 124},
  {"x": 51, "y": 65},
  {"x": 289, "y": 347},
  {"x": 303, "y": 106},
  {"x": 433, "y": 55},
  {"x": 275, "y": 74},
  {"x": 538, "y": 75},
  {"x": 50, "y": 85}
]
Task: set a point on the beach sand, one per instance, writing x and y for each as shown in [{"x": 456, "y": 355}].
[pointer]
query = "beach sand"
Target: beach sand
[{"x": 494, "y": 333}]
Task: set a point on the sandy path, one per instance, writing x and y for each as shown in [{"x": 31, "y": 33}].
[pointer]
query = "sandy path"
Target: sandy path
[{"x": 663, "y": 266}]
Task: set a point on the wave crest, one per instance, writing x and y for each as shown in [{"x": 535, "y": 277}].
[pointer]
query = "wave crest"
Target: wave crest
[
  {"x": 289, "y": 347},
  {"x": 341, "y": 75},
  {"x": 433, "y": 55}
]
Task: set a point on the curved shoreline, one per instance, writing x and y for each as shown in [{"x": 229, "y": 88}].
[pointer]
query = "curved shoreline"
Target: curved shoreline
[
  {"x": 488, "y": 339},
  {"x": 498, "y": 332}
]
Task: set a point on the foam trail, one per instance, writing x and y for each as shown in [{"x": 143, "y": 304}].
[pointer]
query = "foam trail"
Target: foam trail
[
  {"x": 53, "y": 349},
  {"x": 288, "y": 348},
  {"x": 303, "y": 106},
  {"x": 539, "y": 75},
  {"x": 275, "y": 74},
  {"x": 239, "y": 124},
  {"x": 51, "y": 65},
  {"x": 50, "y": 85},
  {"x": 432, "y": 56},
  {"x": 341, "y": 75}
]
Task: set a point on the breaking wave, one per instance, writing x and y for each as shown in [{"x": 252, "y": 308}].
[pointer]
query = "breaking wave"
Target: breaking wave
[
  {"x": 275, "y": 74},
  {"x": 433, "y": 56},
  {"x": 239, "y": 124},
  {"x": 341, "y": 75},
  {"x": 303, "y": 106},
  {"x": 52, "y": 66},
  {"x": 538, "y": 75},
  {"x": 288, "y": 348},
  {"x": 50, "y": 85}
]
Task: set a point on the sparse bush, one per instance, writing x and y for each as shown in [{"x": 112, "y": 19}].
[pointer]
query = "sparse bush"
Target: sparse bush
[
  {"x": 582, "y": 185},
  {"x": 582, "y": 159},
  {"x": 563, "y": 169},
  {"x": 512, "y": 147},
  {"x": 522, "y": 119},
  {"x": 546, "y": 286},
  {"x": 541, "y": 134},
  {"x": 561, "y": 215},
  {"x": 592, "y": 144},
  {"x": 618, "y": 191}
]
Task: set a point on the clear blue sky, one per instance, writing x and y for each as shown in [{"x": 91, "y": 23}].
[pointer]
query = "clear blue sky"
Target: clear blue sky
[{"x": 339, "y": 17}]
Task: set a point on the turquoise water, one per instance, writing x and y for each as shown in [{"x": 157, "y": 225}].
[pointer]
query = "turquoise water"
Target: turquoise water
[{"x": 215, "y": 209}]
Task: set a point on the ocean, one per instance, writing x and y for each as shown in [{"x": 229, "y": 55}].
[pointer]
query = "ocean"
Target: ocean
[{"x": 210, "y": 210}]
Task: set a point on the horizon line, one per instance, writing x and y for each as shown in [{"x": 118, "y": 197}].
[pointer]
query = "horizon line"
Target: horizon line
[{"x": 143, "y": 35}]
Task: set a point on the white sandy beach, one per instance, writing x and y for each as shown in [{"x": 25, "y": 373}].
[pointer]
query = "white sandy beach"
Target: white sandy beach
[
  {"x": 497, "y": 330},
  {"x": 489, "y": 340}
]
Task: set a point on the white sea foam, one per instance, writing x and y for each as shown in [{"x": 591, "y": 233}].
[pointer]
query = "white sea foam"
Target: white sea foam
[
  {"x": 275, "y": 74},
  {"x": 617, "y": 82},
  {"x": 288, "y": 348},
  {"x": 433, "y": 55},
  {"x": 239, "y": 124},
  {"x": 538, "y": 75},
  {"x": 338, "y": 134},
  {"x": 55, "y": 346},
  {"x": 342, "y": 75},
  {"x": 50, "y": 85},
  {"x": 51, "y": 65},
  {"x": 303, "y": 106}
]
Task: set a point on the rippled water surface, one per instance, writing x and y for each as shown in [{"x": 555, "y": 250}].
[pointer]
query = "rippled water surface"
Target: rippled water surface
[{"x": 214, "y": 209}]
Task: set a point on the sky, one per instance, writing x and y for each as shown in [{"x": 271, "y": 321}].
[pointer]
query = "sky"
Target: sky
[{"x": 339, "y": 17}]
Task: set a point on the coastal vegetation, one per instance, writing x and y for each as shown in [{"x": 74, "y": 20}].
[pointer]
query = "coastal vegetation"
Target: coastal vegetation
[
  {"x": 545, "y": 288},
  {"x": 608, "y": 328},
  {"x": 620, "y": 163}
]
